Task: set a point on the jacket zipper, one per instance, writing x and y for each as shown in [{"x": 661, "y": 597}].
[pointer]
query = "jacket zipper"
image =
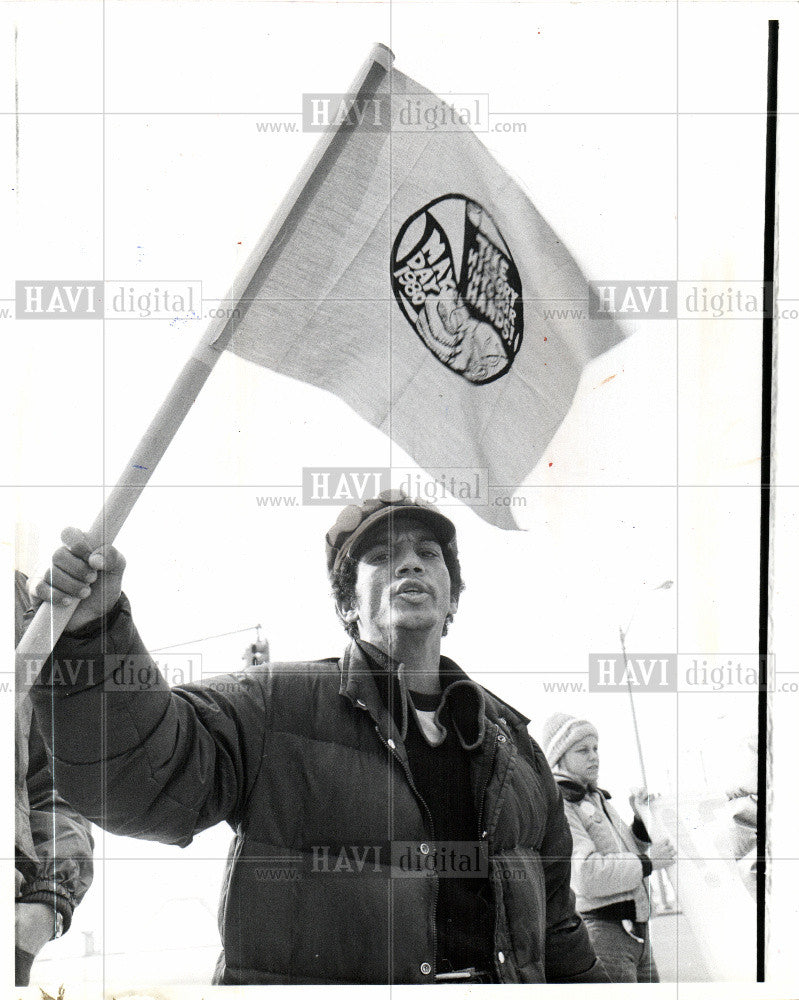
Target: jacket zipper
[
  {"x": 423, "y": 804},
  {"x": 480, "y": 837},
  {"x": 482, "y": 797}
]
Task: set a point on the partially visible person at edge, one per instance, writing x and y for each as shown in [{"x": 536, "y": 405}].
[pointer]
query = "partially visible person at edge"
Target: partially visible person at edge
[
  {"x": 337, "y": 776},
  {"x": 611, "y": 861},
  {"x": 53, "y": 846},
  {"x": 743, "y": 816}
]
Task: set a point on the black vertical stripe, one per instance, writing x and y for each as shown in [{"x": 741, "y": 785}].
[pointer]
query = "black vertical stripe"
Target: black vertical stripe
[{"x": 769, "y": 235}]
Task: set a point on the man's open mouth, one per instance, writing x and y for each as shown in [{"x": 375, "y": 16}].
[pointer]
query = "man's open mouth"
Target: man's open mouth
[{"x": 409, "y": 589}]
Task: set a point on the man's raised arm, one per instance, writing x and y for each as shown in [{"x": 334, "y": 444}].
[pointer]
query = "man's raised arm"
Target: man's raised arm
[{"x": 130, "y": 754}]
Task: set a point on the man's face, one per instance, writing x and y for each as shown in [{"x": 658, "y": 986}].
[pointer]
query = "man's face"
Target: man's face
[
  {"x": 403, "y": 582},
  {"x": 582, "y": 761}
]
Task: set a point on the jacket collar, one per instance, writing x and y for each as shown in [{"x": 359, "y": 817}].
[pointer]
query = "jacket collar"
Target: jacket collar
[
  {"x": 374, "y": 681},
  {"x": 463, "y": 703},
  {"x": 575, "y": 791},
  {"x": 358, "y": 684}
]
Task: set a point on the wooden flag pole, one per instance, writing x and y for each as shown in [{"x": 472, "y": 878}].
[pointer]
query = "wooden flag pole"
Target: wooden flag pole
[
  {"x": 623, "y": 636},
  {"x": 50, "y": 620},
  {"x": 663, "y": 894}
]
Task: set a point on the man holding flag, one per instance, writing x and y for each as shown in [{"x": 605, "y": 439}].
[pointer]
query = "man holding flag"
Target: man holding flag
[
  {"x": 385, "y": 793},
  {"x": 394, "y": 821}
]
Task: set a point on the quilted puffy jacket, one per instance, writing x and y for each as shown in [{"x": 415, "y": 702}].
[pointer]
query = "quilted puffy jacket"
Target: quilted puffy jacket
[{"x": 303, "y": 761}]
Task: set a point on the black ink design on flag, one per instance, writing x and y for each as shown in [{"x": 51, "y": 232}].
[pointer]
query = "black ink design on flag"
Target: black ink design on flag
[{"x": 470, "y": 318}]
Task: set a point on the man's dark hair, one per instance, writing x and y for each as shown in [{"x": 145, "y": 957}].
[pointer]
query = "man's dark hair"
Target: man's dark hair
[{"x": 343, "y": 582}]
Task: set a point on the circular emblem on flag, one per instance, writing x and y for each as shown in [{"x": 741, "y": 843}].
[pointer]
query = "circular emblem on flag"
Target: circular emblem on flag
[{"x": 456, "y": 283}]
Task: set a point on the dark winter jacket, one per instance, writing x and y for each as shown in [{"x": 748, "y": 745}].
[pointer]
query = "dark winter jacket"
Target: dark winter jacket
[
  {"x": 303, "y": 760},
  {"x": 53, "y": 846}
]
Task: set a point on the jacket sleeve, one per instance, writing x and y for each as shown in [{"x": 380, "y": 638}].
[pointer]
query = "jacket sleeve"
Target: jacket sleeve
[
  {"x": 595, "y": 874},
  {"x": 641, "y": 834},
  {"x": 569, "y": 956},
  {"x": 136, "y": 757},
  {"x": 60, "y": 836}
]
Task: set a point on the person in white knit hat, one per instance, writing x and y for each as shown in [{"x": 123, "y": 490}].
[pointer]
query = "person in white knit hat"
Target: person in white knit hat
[{"x": 611, "y": 861}]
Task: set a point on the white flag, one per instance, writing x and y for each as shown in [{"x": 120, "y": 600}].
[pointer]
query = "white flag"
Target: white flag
[{"x": 416, "y": 281}]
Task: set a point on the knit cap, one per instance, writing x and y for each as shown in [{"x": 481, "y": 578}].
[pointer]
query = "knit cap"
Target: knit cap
[{"x": 561, "y": 732}]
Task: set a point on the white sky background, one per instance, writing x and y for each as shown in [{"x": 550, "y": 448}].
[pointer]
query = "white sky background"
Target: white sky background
[{"x": 651, "y": 477}]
